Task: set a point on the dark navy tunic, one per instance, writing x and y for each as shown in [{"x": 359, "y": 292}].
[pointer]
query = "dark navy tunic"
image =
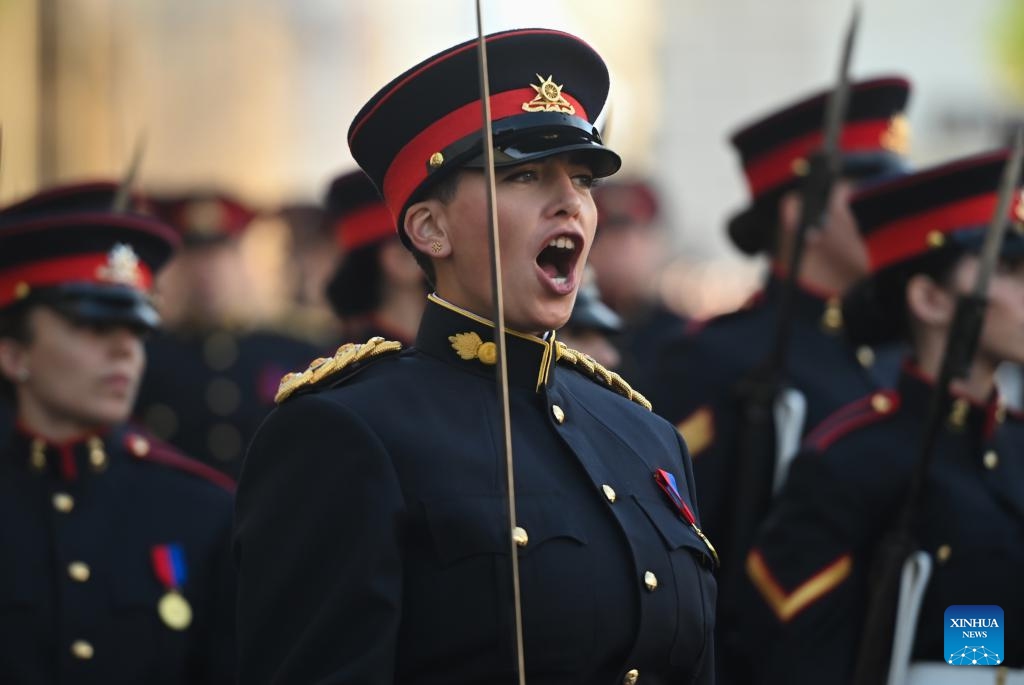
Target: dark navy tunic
[
  {"x": 811, "y": 563},
  {"x": 79, "y": 591},
  {"x": 372, "y": 540}
]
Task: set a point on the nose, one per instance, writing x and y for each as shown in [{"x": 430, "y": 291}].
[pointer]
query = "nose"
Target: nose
[
  {"x": 124, "y": 341},
  {"x": 567, "y": 199}
]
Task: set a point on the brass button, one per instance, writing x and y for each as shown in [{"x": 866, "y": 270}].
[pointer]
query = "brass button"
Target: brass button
[
  {"x": 800, "y": 166},
  {"x": 520, "y": 537},
  {"x": 866, "y": 356},
  {"x": 82, "y": 649},
  {"x": 79, "y": 571},
  {"x": 138, "y": 446},
  {"x": 881, "y": 403},
  {"x": 63, "y": 502},
  {"x": 991, "y": 460},
  {"x": 651, "y": 581},
  {"x": 935, "y": 239},
  {"x": 609, "y": 492},
  {"x": 436, "y": 160},
  {"x": 943, "y": 553},
  {"x": 631, "y": 677},
  {"x": 557, "y": 412},
  {"x": 97, "y": 457}
]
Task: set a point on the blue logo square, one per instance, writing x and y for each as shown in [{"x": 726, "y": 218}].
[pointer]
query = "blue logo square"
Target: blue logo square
[{"x": 973, "y": 635}]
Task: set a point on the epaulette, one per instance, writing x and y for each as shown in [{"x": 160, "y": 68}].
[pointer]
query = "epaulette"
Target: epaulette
[
  {"x": 346, "y": 358},
  {"x": 857, "y": 414},
  {"x": 590, "y": 368},
  {"x": 145, "y": 448}
]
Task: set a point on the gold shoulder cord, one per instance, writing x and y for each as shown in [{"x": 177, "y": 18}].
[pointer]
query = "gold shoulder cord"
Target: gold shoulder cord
[
  {"x": 322, "y": 367},
  {"x": 590, "y": 368}
]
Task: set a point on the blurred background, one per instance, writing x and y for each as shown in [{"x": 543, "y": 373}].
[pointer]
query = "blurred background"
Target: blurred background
[{"x": 254, "y": 97}]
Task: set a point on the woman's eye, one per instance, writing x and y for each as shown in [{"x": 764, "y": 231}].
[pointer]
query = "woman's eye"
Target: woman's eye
[
  {"x": 586, "y": 180},
  {"x": 522, "y": 175}
]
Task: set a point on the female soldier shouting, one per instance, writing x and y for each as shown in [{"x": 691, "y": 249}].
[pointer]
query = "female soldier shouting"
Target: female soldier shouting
[{"x": 371, "y": 529}]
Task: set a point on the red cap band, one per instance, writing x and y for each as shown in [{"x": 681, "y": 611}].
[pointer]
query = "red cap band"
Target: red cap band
[
  {"x": 368, "y": 224},
  {"x": 17, "y": 283}
]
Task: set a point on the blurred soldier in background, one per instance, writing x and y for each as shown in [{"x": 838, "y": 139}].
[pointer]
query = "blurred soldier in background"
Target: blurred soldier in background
[
  {"x": 313, "y": 253},
  {"x": 812, "y": 560},
  {"x": 700, "y": 374},
  {"x": 631, "y": 249},
  {"x": 592, "y": 325},
  {"x": 377, "y": 288},
  {"x": 211, "y": 379},
  {"x": 115, "y": 556}
]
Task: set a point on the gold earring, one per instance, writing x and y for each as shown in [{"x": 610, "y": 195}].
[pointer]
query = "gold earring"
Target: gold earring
[{"x": 435, "y": 246}]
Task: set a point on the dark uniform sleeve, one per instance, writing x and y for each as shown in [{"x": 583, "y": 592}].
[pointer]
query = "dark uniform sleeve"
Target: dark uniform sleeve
[
  {"x": 316, "y": 544},
  {"x": 218, "y": 641},
  {"x": 807, "y": 575}
]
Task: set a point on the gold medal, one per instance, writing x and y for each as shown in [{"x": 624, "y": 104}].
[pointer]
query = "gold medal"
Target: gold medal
[{"x": 175, "y": 611}]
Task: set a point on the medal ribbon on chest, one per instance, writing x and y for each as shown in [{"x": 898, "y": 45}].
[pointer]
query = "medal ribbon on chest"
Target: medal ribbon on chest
[
  {"x": 667, "y": 482},
  {"x": 172, "y": 572}
]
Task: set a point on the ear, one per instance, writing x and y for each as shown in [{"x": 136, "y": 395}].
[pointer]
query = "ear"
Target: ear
[
  {"x": 13, "y": 364},
  {"x": 929, "y": 302},
  {"x": 426, "y": 226}
]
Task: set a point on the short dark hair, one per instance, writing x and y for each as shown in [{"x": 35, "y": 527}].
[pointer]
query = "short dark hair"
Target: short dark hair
[
  {"x": 875, "y": 310},
  {"x": 355, "y": 287}
]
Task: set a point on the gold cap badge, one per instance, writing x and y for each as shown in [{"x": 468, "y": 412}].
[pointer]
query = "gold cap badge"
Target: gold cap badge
[
  {"x": 122, "y": 266},
  {"x": 549, "y": 98}
]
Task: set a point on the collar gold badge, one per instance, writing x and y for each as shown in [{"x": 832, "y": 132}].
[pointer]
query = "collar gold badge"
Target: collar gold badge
[
  {"x": 549, "y": 98},
  {"x": 469, "y": 346},
  {"x": 122, "y": 266}
]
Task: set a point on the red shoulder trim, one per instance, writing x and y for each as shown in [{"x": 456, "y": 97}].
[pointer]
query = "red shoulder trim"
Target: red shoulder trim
[
  {"x": 148, "y": 448},
  {"x": 857, "y": 414}
]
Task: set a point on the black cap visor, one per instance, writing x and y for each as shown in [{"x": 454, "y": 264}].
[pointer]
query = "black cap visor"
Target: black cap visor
[
  {"x": 531, "y": 136},
  {"x": 106, "y": 305}
]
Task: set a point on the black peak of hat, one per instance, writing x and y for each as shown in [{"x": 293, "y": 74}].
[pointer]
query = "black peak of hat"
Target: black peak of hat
[
  {"x": 446, "y": 81},
  {"x": 349, "y": 192},
  {"x": 928, "y": 189},
  {"x": 875, "y": 98}
]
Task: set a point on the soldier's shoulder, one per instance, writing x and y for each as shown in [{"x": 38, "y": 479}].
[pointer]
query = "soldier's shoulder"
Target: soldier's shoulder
[
  {"x": 585, "y": 365},
  {"x": 147, "y": 449},
  {"x": 854, "y": 421},
  {"x": 329, "y": 372}
]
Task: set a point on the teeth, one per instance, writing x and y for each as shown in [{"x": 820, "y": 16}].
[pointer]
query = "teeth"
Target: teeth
[
  {"x": 563, "y": 243},
  {"x": 561, "y": 280}
]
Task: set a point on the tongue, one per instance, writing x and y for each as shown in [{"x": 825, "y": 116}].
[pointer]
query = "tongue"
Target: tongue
[{"x": 550, "y": 269}]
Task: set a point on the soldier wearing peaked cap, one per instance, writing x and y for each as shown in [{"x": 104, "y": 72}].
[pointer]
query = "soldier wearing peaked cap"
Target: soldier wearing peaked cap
[
  {"x": 810, "y": 565},
  {"x": 372, "y": 535},
  {"x": 377, "y": 288},
  {"x": 592, "y": 325},
  {"x": 700, "y": 373},
  {"x": 115, "y": 546},
  {"x": 211, "y": 378},
  {"x": 628, "y": 255}
]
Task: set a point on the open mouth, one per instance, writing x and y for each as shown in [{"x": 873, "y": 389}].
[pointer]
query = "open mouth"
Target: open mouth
[{"x": 558, "y": 259}]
